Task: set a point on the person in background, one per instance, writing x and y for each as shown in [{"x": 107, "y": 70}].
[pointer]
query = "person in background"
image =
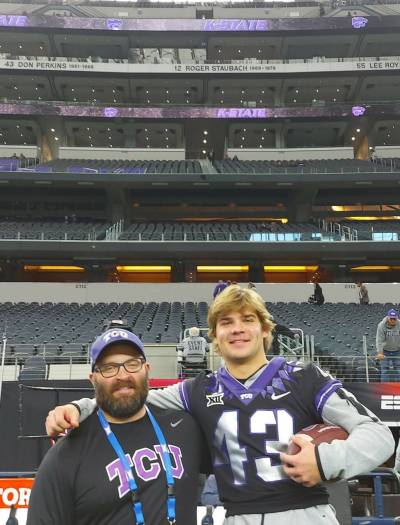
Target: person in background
[
  {"x": 195, "y": 347},
  {"x": 362, "y": 293},
  {"x": 388, "y": 346},
  {"x": 279, "y": 329},
  {"x": 252, "y": 286},
  {"x": 220, "y": 286},
  {"x": 318, "y": 296}
]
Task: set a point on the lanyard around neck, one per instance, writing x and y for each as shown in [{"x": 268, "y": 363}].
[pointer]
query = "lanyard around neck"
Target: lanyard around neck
[{"x": 136, "y": 503}]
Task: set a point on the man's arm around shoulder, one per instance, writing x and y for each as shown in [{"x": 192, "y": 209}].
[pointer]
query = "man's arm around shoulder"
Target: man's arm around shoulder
[{"x": 71, "y": 415}]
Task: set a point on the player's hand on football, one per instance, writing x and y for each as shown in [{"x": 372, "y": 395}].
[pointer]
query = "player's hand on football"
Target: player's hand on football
[
  {"x": 302, "y": 467},
  {"x": 62, "y": 418}
]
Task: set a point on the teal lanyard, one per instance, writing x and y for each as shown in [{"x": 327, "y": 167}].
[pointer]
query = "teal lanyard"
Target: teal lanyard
[{"x": 136, "y": 503}]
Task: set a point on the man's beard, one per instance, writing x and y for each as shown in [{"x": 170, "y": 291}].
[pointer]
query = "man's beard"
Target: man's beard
[{"x": 124, "y": 406}]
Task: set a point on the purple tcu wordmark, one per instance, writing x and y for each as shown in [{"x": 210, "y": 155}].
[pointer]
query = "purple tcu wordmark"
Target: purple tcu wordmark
[{"x": 147, "y": 464}]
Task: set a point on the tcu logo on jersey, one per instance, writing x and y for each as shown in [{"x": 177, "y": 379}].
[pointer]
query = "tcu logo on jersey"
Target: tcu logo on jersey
[
  {"x": 115, "y": 333},
  {"x": 248, "y": 395}
]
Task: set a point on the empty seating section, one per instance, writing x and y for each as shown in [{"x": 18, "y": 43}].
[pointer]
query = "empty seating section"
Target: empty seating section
[
  {"x": 392, "y": 162},
  {"x": 386, "y": 230},
  {"x": 74, "y": 229},
  {"x": 120, "y": 166},
  {"x": 103, "y": 166},
  {"x": 219, "y": 231},
  {"x": 9, "y": 164},
  {"x": 52, "y": 230},
  {"x": 15, "y": 164},
  {"x": 60, "y": 331},
  {"x": 338, "y": 331},
  {"x": 300, "y": 166}
]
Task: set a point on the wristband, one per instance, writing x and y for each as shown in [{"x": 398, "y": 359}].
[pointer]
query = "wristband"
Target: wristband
[{"x": 76, "y": 406}]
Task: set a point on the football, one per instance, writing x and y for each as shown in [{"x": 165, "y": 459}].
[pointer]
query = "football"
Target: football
[{"x": 319, "y": 433}]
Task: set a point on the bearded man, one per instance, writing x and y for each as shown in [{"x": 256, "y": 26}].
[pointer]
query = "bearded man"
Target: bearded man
[{"x": 123, "y": 465}]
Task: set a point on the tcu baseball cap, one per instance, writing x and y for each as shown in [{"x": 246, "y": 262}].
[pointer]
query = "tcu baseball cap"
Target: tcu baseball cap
[
  {"x": 114, "y": 335},
  {"x": 392, "y": 314}
]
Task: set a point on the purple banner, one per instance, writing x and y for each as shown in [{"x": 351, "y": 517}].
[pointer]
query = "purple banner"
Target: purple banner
[
  {"x": 356, "y": 23},
  {"x": 183, "y": 112}
]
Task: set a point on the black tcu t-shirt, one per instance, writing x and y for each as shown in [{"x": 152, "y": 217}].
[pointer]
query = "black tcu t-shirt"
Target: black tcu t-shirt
[{"x": 81, "y": 481}]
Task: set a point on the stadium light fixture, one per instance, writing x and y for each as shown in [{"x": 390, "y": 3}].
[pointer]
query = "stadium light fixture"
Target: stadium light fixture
[
  {"x": 48, "y": 268},
  {"x": 290, "y": 268},
  {"x": 208, "y": 269},
  {"x": 371, "y": 218},
  {"x": 144, "y": 269},
  {"x": 381, "y": 268}
]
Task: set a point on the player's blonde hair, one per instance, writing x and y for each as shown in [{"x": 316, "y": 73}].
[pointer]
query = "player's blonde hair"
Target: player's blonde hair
[{"x": 235, "y": 299}]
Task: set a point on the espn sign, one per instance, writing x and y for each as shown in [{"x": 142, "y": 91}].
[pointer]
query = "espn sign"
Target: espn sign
[
  {"x": 16, "y": 492},
  {"x": 389, "y": 402}
]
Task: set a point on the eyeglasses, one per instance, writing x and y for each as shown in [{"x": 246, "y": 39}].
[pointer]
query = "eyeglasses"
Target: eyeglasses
[{"x": 112, "y": 369}]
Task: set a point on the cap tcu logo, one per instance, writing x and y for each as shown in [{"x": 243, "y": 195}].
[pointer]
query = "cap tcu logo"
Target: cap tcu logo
[
  {"x": 115, "y": 333},
  {"x": 215, "y": 399}
]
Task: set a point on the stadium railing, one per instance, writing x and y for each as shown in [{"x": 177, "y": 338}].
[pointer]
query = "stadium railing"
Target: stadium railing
[{"x": 359, "y": 367}]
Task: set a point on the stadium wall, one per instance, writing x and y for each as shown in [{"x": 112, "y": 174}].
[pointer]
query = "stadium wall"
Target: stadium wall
[
  {"x": 387, "y": 152},
  {"x": 29, "y": 151},
  {"x": 292, "y": 153},
  {"x": 158, "y": 292},
  {"x": 122, "y": 153}
]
